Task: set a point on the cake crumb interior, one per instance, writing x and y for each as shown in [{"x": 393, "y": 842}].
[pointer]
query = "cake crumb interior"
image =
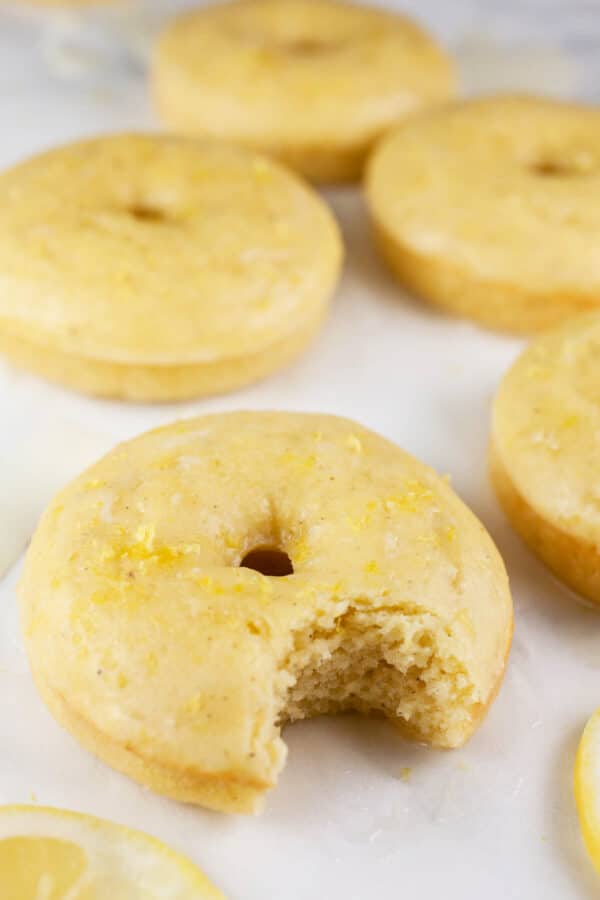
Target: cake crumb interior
[{"x": 394, "y": 663}]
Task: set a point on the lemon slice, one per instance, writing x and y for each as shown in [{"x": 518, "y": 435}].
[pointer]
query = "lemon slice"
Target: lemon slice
[
  {"x": 587, "y": 786},
  {"x": 48, "y": 854}
]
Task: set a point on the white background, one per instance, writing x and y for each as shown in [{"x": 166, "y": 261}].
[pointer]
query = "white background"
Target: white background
[{"x": 495, "y": 820}]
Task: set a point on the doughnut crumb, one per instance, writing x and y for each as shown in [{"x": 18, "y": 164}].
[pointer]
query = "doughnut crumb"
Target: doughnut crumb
[{"x": 384, "y": 662}]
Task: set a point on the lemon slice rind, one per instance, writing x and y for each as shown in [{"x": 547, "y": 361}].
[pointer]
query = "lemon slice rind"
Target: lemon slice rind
[{"x": 587, "y": 787}]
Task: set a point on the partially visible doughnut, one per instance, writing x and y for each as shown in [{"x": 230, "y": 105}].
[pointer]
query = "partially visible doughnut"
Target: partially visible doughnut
[
  {"x": 313, "y": 82},
  {"x": 545, "y": 451},
  {"x": 490, "y": 209}
]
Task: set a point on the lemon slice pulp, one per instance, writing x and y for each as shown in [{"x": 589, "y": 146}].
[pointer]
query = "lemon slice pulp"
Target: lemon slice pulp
[{"x": 49, "y": 854}]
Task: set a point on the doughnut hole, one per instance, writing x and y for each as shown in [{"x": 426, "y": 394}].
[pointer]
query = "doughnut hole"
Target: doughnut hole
[
  {"x": 550, "y": 169},
  {"x": 568, "y": 166},
  {"x": 300, "y": 43},
  {"x": 148, "y": 212},
  {"x": 392, "y": 663},
  {"x": 268, "y": 561},
  {"x": 309, "y": 46},
  {"x": 290, "y": 30}
]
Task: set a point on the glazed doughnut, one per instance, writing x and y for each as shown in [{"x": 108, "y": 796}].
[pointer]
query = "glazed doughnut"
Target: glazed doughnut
[
  {"x": 313, "y": 82},
  {"x": 211, "y": 580},
  {"x": 155, "y": 268},
  {"x": 545, "y": 451},
  {"x": 490, "y": 209}
]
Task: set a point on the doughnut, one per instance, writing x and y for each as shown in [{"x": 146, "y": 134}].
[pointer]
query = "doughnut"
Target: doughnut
[
  {"x": 152, "y": 268},
  {"x": 209, "y": 581},
  {"x": 545, "y": 451},
  {"x": 490, "y": 209},
  {"x": 313, "y": 82}
]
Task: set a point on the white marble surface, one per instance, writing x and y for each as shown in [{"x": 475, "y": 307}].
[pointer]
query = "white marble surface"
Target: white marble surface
[{"x": 495, "y": 820}]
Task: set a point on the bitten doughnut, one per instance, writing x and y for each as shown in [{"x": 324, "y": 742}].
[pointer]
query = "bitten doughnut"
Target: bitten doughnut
[
  {"x": 313, "y": 82},
  {"x": 155, "y": 268},
  {"x": 490, "y": 209},
  {"x": 209, "y": 581},
  {"x": 545, "y": 451}
]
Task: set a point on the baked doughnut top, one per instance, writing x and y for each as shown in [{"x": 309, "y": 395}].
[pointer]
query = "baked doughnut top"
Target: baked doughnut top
[
  {"x": 374, "y": 588},
  {"x": 500, "y": 199},
  {"x": 149, "y": 250},
  {"x": 546, "y": 427},
  {"x": 310, "y": 80}
]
